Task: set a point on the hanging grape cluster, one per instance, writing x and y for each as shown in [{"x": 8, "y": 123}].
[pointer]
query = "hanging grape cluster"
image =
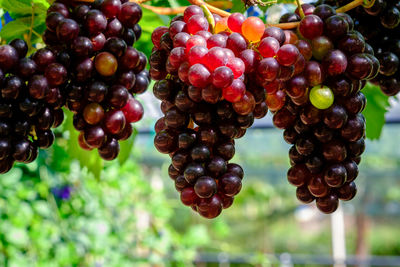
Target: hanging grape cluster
[
  {"x": 94, "y": 42},
  {"x": 30, "y": 102},
  {"x": 320, "y": 107},
  {"x": 207, "y": 101}
]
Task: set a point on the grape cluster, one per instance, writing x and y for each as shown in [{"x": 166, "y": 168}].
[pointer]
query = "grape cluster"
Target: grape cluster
[
  {"x": 320, "y": 107},
  {"x": 384, "y": 18},
  {"x": 30, "y": 102},
  {"x": 208, "y": 100},
  {"x": 94, "y": 42}
]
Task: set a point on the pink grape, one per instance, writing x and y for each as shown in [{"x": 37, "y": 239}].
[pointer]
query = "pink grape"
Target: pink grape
[
  {"x": 133, "y": 110},
  {"x": 235, "y": 22},
  {"x": 197, "y": 23},
  {"x": 197, "y": 55},
  {"x": 237, "y": 66},
  {"x": 268, "y": 47},
  {"x": 288, "y": 55},
  {"x": 199, "y": 75},
  {"x": 268, "y": 69},
  {"x": 216, "y": 40},
  {"x": 191, "y": 11},
  {"x": 222, "y": 77},
  {"x": 195, "y": 40},
  {"x": 215, "y": 58},
  {"x": 235, "y": 91}
]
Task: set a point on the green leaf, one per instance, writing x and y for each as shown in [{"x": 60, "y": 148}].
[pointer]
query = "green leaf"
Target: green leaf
[
  {"x": 24, "y": 7},
  {"x": 89, "y": 159},
  {"x": 126, "y": 147},
  {"x": 238, "y": 6},
  {"x": 14, "y": 29},
  {"x": 377, "y": 106}
]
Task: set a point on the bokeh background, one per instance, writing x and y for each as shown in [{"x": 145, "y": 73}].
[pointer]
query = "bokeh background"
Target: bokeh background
[{"x": 69, "y": 208}]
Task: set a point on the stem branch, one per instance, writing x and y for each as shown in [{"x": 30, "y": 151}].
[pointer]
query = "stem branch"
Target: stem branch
[
  {"x": 213, "y": 9},
  {"x": 301, "y": 11},
  {"x": 350, "y": 6},
  {"x": 29, "y": 41}
]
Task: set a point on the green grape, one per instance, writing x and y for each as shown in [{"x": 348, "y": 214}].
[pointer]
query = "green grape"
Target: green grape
[{"x": 321, "y": 97}]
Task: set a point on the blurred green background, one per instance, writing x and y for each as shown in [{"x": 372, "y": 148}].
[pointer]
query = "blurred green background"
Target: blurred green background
[{"x": 69, "y": 208}]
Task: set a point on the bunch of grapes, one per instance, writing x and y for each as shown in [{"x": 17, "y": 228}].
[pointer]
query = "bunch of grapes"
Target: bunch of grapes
[
  {"x": 94, "y": 42},
  {"x": 320, "y": 106},
  {"x": 208, "y": 100},
  {"x": 384, "y": 18},
  {"x": 30, "y": 102}
]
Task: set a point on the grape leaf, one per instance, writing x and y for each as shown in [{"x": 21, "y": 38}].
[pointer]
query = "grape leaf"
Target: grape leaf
[
  {"x": 238, "y": 6},
  {"x": 377, "y": 106},
  {"x": 126, "y": 147},
  {"x": 89, "y": 159},
  {"x": 24, "y": 7}
]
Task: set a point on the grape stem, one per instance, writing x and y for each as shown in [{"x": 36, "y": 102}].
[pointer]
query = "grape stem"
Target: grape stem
[
  {"x": 213, "y": 9},
  {"x": 29, "y": 41},
  {"x": 350, "y": 6},
  {"x": 301, "y": 11},
  {"x": 209, "y": 16}
]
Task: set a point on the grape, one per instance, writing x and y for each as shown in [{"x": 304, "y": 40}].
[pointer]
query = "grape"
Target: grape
[
  {"x": 289, "y": 17},
  {"x": 199, "y": 75},
  {"x": 235, "y": 91},
  {"x": 133, "y": 110},
  {"x": 276, "y": 33},
  {"x": 191, "y": 11},
  {"x": 197, "y": 23},
  {"x": 336, "y": 26},
  {"x": 215, "y": 58},
  {"x": 106, "y": 64},
  {"x": 20, "y": 46},
  {"x": 236, "y": 43},
  {"x": 253, "y": 29},
  {"x": 237, "y": 66},
  {"x": 235, "y": 22},
  {"x": 321, "y": 46},
  {"x": 221, "y": 25},
  {"x": 288, "y": 55},
  {"x": 321, "y": 97},
  {"x": 307, "y": 9},
  {"x": 93, "y": 113},
  {"x": 324, "y": 11},
  {"x": 389, "y": 63},
  {"x": 130, "y": 14},
  {"x": 222, "y": 77},
  {"x": 305, "y": 49},
  {"x": 195, "y": 40},
  {"x": 391, "y": 18},
  {"x": 268, "y": 69},
  {"x": 335, "y": 62},
  {"x": 111, "y": 8},
  {"x": 311, "y": 26},
  {"x": 249, "y": 58},
  {"x": 205, "y": 187},
  {"x": 268, "y": 47},
  {"x": 314, "y": 73},
  {"x": 210, "y": 207},
  {"x": 59, "y": 8}
]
